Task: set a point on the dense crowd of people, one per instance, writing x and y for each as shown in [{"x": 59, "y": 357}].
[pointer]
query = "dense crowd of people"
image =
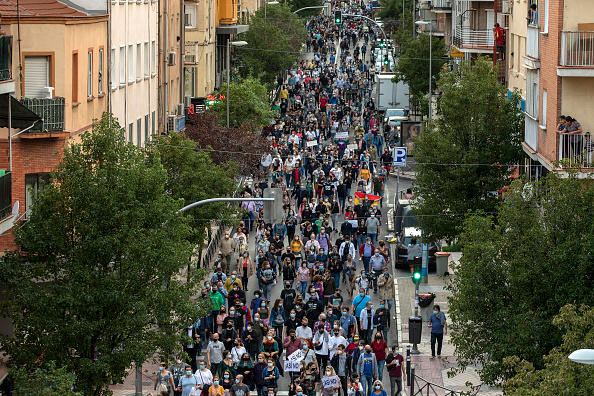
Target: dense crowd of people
[{"x": 331, "y": 158}]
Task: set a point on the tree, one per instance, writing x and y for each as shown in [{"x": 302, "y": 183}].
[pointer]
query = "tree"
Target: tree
[
  {"x": 298, "y": 4},
  {"x": 466, "y": 156},
  {"x": 249, "y": 104},
  {"x": 274, "y": 43},
  {"x": 48, "y": 381},
  {"x": 95, "y": 287},
  {"x": 193, "y": 176},
  {"x": 228, "y": 147},
  {"x": 413, "y": 65},
  {"x": 517, "y": 270},
  {"x": 560, "y": 376}
]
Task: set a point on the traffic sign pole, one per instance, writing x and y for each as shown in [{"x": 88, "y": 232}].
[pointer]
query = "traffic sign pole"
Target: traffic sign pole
[{"x": 399, "y": 161}]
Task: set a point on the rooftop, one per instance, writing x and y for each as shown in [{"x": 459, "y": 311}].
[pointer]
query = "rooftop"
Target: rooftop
[{"x": 38, "y": 8}]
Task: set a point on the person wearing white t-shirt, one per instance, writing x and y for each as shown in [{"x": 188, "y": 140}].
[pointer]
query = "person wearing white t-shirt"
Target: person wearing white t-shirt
[
  {"x": 335, "y": 341},
  {"x": 303, "y": 332}
]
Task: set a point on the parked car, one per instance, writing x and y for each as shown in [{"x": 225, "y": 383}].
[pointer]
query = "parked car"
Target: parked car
[{"x": 407, "y": 235}]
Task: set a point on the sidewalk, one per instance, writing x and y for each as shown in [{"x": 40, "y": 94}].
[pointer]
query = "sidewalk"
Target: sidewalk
[{"x": 433, "y": 370}]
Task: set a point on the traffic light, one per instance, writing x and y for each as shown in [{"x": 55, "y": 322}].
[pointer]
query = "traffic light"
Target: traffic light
[
  {"x": 273, "y": 210},
  {"x": 416, "y": 271},
  {"x": 386, "y": 60},
  {"x": 382, "y": 43},
  {"x": 338, "y": 17}
]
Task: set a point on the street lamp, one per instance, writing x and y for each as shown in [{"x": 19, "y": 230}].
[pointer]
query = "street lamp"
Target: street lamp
[
  {"x": 423, "y": 23},
  {"x": 229, "y": 44},
  {"x": 271, "y": 3},
  {"x": 584, "y": 356}
]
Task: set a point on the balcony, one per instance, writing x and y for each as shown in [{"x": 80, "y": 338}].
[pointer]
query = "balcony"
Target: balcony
[
  {"x": 190, "y": 56},
  {"x": 532, "y": 42},
  {"x": 441, "y": 5},
  {"x": 51, "y": 112},
  {"x": 531, "y": 132},
  {"x": 577, "y": 54},
  {"x": 227, "y": 12},
  {"x": 5, "y": 194},
  {"x": 5, "y": 58},
  {"x": 476, "y": 40},
  {"x": 572, "y": 152}
]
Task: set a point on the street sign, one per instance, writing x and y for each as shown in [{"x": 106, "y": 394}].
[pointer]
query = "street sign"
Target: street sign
[{"x": 399, "y": 157}]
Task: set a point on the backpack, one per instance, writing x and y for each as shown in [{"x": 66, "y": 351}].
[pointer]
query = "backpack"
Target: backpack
[
  {"x": 345, "y": 251},
  {"x": 376, "y": 319},
  {"x": 311, "y": 258}
]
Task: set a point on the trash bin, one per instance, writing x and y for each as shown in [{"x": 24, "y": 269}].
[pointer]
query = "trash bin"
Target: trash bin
[
  {"x": 441, "y": 263},
  {"x": 426, "y": 299},
  {"x": 415, "y": 326}
]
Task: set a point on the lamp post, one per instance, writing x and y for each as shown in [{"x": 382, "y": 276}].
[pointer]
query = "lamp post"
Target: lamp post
[
  {"x": 271, "y": 3},
  {"x": 583, "y": 356},
  {"x": 229, "y": 44},
  {"x": 424, "y": 23}
]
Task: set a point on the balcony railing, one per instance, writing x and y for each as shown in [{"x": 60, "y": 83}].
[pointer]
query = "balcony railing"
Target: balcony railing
[
  {"x": 442, "y": 4},
  {"x": 531, "y": 132},
  {"x": 573, "y": 152},
  {"x": 5, "y": 58},
  {"x": 51, "y": 112},
  {"x": 465, "y": 37},
  {"x": 5, "y": 194},
  {"x": 532, "y": 46},
  {"x": 577, "y": 49}
]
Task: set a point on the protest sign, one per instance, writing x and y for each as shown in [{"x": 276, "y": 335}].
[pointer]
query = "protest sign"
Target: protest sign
[
  {"x": 329, "y": 382},
  {"x": 291, "y": 366}
]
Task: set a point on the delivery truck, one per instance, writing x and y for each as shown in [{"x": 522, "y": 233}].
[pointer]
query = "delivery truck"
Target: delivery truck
[{"x": 391, "y": 95}]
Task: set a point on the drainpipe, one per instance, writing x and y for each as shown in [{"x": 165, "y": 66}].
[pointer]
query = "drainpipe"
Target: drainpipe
[{"x": 165, "y": 56}]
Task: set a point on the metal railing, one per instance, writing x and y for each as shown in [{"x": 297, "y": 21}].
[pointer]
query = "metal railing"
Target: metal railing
[
  {"x": 5, "y": 58},
  {"x": 422, "y": 387},
  {"x": 531, "y": 132},
  {"x": 51, "y": 112},
  {"x": 577, "y": 49},
  {"x": 442, "y": 4},
  {"x": 532, "y": 44},
  {"x": 573, "y": 151},
  {"x": 5, "y": 194},
  {"x": 465, "y": 37}
]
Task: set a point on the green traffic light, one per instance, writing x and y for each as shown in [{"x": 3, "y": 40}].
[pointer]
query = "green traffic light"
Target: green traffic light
[{"x": 416, "y": 276}]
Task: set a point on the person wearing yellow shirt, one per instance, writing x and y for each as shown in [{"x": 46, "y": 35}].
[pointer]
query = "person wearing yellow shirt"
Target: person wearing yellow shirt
[
  {"x": 231, "y": 280},
  {"x": 284, "y": 93},
  {"x": 364, "y": 173}
]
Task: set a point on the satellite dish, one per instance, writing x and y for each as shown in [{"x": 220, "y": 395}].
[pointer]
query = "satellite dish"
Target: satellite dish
[{"x": 15, "y": 211}]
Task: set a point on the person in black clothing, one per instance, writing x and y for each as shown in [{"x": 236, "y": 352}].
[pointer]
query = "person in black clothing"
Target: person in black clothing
[
  {"x": 335, "y": 266},
  {"x": 292, "y": 322},
  {"x": 288, "y": 296},
  {"x": 313, "y": 308},
  {"x": 229, "y": 334},
  {"x": 341, "y": 193},
  {"x": 299, "y": 311},
  {"x": 328, "y": 188}
]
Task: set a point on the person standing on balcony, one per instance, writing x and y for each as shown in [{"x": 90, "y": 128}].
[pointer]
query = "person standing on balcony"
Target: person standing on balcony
[
  {"x": 574, "y": 129},
  {"x": 532, "y": 15},
  {"x": 499, "y": 42}
]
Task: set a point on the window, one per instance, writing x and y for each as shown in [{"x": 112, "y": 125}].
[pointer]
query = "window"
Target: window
[
  {"x": 544, "y": 108},
  {"x": 153, "y": 126},
  {"x": 75, "y": 77},
  {"x": 147, "y": 136},
  {"x": 113, "y": 70},
  {"x": 190, "y": 16},
  {"x": 130, "y": 63},
  {"x": 34, "y": 182},
  {"x": 153, "y": 56},
  {"x": 131, "y": 132},
  {"x": 147, "y": 57},
  {"x": 139, "y": 132},
  {"x": 138, "y": 60},
  {"x": 546, "y": 17},
  {"x": 90, "y": 75},
  {"x": 100, "y": 83},
  {"x": 122, "y": 65}
]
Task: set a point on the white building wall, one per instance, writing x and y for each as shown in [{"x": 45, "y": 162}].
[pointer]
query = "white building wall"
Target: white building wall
[{"x": 134, "y": 98}]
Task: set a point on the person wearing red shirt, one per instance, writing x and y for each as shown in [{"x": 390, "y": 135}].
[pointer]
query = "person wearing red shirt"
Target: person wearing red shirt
[{"x": 380, "y": 348}]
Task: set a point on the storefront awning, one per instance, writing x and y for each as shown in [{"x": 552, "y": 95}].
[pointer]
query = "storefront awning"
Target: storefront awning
[{"x": 21, "y": 116}]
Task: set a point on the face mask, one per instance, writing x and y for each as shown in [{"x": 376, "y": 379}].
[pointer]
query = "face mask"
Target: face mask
[
  {"x": 396, "y": 352},
  {"x": 249, "y": 327},
  {"x": 280, "y": 305},
  {"x": 292, "y": 316},
  {"x": 178, "y": 361},
  {"x": 371, "y": 306},
  {"x": 344, "y": 314},
  {"x": 216, "y": 382},
  {"x": 361, "y": 294},
  {"x": 160, "y": 368},
  {"x": 364, "y": 276},
  {"x": 263, "y": 305},
  {"x": 336, "y": 333},
  {"x": 226, "y": 377},
  {"x": 356, "y": 381},
  {"x": 260, "y": 360},
  {"x": 188, "y": 373},
  {"x": 435, "y": 312},
  {"x": 303, "y": 265},
  {"x": 269, "y": 338},
  {"x": 377, "y": 255},
  {"x": 269, "y": 364},
  {"x": 299, "y": 393},
  {"x": 382, "y": 305},
  {"x": 304, "y": 325},
  {"x": 330, "y": 312},
  {"x": 368, "y": 351},
  {"x": 377, "y": 387},
  {"x": 226, "y": 236},
  {"x": 201, "y": 367},
  {"x": 328, "y": 372}
]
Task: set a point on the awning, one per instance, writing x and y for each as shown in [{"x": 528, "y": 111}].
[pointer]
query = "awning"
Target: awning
[{"x": 21, "y": 116}]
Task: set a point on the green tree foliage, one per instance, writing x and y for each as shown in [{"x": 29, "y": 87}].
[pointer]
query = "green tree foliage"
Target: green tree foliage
[
  {"x": 298, "y": 4},
  {"x": 392, "y": 9},
  {"x": 249, "y": 104},
  {"x": 274, "y": 42},
  {"x": 193, "y": 176},
  {"x": 413, "y": 63},
  {"x": 479, "y": 128},
  {"x": 560, "y": 376},
  {"x": 47, "y": 381},
  {"x": 518, "y": 270},
  {"x": 96, "y": 287}
]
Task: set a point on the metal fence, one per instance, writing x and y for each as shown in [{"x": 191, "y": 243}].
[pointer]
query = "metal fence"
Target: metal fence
[
  {"x": 575, "y": 150},
  {"x": 5, "y": 58},
  {"x": 473, "y": 38},
  {"x": 577, "y": 49},
  {"x": 422, "y": 387},
  {"x": 5, "y": 194},
  {"x": 51, "y": 112}
]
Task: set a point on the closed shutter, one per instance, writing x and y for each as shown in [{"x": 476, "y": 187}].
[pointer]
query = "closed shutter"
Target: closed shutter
[{"x": 36, "y": 76}]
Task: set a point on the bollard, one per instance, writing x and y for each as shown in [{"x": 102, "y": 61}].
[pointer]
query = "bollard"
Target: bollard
[
  {"x": 408, "y": 370},
  {"x": 412, "y": 382}
]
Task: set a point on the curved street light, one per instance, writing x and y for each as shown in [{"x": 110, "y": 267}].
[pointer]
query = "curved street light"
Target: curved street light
[{"x": 583, "y": 356}]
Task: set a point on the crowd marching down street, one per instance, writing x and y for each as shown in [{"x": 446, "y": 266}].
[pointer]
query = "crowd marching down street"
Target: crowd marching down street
[{"x": 298, "y": 299}]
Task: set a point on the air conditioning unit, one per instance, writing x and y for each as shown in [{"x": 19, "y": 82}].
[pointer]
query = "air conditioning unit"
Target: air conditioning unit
[
  {"x": 187, "y": 20},
  {"x": 189, "y": 58},
  {"x": 171, "y": 123},
  {"x": 187, "y": 101},
  {"x": 506, "y": 7},
  {"x": 171, "y": 59},
  {"x": 180, "y": 109}
]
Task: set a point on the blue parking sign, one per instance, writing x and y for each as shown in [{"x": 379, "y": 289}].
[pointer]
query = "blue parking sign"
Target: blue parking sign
[{"x": 399, "y": 157}]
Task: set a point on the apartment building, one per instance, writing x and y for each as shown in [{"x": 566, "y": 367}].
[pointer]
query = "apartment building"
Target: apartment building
[
  {"x": 209, "y": 25},
  {"x": 439, "y": 13},
  {"x": 134, "y": 89},
  {"x": 559, "y": 64},
  {"x": 56, "y": 71}
]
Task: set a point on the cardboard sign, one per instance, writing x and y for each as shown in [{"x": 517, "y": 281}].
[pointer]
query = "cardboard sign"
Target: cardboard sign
[
  {"x": 342, "y": 135},
  {"x": 297, "y": 356},
  {"x": 292, "y": 366},
  {"x": 329, "y": 382},
  {"x": 312, "y": 143},
  {"x": 353, "y": 146}
]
